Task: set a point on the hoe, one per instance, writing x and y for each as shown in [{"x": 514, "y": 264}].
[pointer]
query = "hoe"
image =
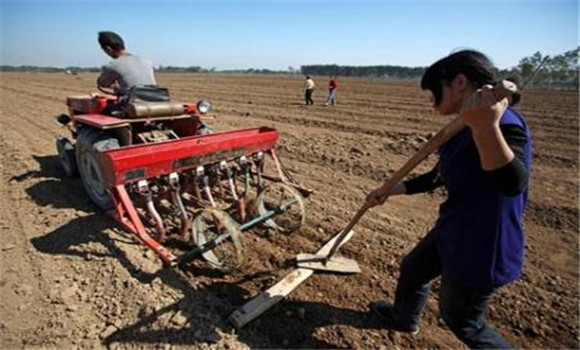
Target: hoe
[{"x": 164, "y": 176}]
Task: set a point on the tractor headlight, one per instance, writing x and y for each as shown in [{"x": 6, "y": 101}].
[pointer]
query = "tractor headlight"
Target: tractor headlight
[{"x": 203, "y": 106}]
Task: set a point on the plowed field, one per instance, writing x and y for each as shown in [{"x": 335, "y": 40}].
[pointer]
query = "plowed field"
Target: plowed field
[{"x": 72, "y": 278}]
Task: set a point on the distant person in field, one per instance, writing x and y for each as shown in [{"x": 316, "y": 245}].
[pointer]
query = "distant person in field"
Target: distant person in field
[
  {"x": 125, "y": 70},
  {"x": 477, "y": 243},
  {"x": 332, "y": 87},
  {"x": 309, "y": 86}
]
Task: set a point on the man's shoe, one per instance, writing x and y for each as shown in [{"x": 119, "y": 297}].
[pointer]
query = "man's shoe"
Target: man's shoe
[{"x": 386, "y": 312}]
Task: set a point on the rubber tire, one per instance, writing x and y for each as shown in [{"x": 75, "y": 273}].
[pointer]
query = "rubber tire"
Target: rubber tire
[
  {"x": 66, "y": 157},
  {"x": 89, "y": 142}
]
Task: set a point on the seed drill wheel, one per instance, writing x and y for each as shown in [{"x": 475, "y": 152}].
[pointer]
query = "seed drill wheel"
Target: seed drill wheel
[
  {"x": 278, "y": 194},
  {"x": 216, "y": 227},
  {"x": 66, "y": 157},
  {"x": 89, "y": 142}
]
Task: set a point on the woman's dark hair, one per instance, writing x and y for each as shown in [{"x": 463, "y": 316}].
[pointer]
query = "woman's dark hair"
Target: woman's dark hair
[
  {"x": 112, "y": 40},
  {"x": 473, "y": 64}
]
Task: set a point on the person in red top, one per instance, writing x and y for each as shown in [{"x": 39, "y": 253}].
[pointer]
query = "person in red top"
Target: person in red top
[{"x": 332, "y": 87}]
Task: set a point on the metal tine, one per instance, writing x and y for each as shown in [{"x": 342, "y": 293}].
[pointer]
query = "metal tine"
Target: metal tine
[
  {"x": 205, "y": 181},
  {"x": 224, "y": 167},
  {"x": 196, "y": 183},
  {"x": 251, "y": 173},
  {"x": 242, "y": 166},
  {"x": 176, "y": 195},
  {"x": 215, "y": 170},
  {"x": 143, "y": 189},
  {"x": 259, "y": 161},
  {"x": 246, "y": 170}
]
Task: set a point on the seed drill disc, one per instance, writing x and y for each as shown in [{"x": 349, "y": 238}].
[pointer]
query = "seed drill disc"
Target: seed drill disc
[
  {"x": 213, "y": 226},
  {"x": 277, "y": 194}
]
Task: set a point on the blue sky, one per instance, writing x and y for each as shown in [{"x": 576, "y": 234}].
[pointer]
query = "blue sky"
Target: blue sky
[{"x": 279, "y": 34}]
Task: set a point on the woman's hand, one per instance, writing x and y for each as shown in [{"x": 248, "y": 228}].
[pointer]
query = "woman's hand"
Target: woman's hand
[
  {"x": 376, "y": 197},
  {"x": 481, "y": 110},
  {"x": 379, "y": 195}
]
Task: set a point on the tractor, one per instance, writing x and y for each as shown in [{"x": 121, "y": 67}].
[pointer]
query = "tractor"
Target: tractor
[{"x": 157, "y": 168}]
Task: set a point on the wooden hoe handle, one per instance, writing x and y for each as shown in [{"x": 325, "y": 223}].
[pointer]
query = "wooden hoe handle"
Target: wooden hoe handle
[{"x": 502, "y": 90}]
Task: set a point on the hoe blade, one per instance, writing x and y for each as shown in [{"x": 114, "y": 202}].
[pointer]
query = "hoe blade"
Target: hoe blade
[{"x": 334, "y": 264}]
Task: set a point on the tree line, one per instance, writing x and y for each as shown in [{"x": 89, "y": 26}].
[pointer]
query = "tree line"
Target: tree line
[
  {"x": 387, "y": 72},
  {"x": 37, "y": 69},
  {"x": 557, "y": 72}
]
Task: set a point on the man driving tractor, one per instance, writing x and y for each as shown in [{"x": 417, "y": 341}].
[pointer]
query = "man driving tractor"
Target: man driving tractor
[{"x": 125, "y": 70}]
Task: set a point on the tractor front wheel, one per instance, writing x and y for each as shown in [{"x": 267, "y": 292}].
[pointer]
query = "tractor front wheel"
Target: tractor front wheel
[
  {"x": 66, "y": 157},
  {"x": 90, "y": 141}
]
